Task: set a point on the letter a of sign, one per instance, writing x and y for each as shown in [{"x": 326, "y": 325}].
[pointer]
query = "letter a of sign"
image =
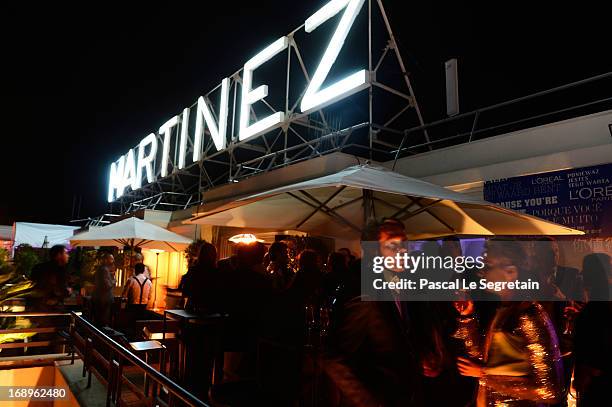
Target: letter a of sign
[
  {"x": 315, "y": 97},
  {"x": 115, "y": 184}
]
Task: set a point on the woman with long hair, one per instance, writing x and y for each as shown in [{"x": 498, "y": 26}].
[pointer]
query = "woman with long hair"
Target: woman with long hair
[{"x": 197, "y": 285}]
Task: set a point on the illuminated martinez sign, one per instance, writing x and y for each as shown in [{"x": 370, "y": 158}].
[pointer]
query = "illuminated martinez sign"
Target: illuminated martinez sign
[{"x": 141, "y": 162}]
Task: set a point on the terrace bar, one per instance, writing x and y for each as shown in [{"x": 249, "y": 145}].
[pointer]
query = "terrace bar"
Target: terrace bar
[{"x": 302, "y": 235}]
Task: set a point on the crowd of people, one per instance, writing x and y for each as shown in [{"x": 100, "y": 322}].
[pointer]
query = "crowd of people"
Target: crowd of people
[
  {"x": 506, "y": 350},
  {"x": 52, "y": 286},
  {"x": 340, "y": 348}
]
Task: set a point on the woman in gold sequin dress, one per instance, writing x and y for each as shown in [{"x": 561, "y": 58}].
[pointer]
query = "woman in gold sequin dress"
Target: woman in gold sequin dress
[{"x": 517, "y": 362}]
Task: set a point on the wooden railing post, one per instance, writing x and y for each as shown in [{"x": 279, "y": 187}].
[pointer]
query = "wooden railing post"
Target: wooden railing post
[
  {"x": 88, "y": 359},
  {"x": 110, "y": 390},
  {"x": 119, "y": 381},
  {"x": 72, "y": 345}
]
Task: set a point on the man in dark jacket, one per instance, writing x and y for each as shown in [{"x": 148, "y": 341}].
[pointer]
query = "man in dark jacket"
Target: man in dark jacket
[
  {"x": 371, "y": 360},
  {"x": 51, "y": 279},
  {"x": 372, "y": 363}
]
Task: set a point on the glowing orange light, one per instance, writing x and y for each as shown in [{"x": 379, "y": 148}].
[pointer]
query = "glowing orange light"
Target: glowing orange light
[{"x": 244, "y": 238}]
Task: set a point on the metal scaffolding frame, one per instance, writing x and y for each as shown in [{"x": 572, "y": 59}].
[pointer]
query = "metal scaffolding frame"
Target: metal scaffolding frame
[
  {"x": 385, "y": 123},
  {"x": 301, "y": 136}
]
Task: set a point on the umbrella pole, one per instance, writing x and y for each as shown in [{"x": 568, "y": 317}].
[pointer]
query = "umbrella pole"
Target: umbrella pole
[
  {"x": 131, "y": 262},
  {"x": 132, "y": 254},
  {"x": 367, "y": 208},
  {"x": 155, "y": 292}
]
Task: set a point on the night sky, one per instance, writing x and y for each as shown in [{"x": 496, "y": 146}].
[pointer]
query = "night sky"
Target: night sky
[{"x": 82, "y": 85}]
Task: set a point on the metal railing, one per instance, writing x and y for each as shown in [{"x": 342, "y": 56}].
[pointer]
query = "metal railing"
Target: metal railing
[
  {"x": 474, "y": 130},
  {"x": 34, "y": 329},
  {"x": 120, "y": 354}
]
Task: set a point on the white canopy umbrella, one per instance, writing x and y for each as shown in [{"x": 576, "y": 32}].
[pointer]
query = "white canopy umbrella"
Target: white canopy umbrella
[
  {"x": 339, "y": 205},
  {"x": 132, "y": 232}
]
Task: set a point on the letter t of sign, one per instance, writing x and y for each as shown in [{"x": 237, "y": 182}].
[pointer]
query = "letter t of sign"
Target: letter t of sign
[{"x": 166, "y": 130}]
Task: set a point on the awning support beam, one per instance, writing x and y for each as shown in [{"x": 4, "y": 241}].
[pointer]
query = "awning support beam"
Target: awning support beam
[
  {"x": 331, "y": 212},
  {"x": 324, "y": 209},
  {"x": 405, "y": 208},
  {"x": 318, "y": 208},
  {"x": 449, "y": 227},
  {"x": 423, "y": 208},
  {"x": 427, "y": 208}
]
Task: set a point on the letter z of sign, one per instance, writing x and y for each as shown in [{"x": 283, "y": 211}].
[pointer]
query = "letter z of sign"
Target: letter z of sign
[{"x": 315, "y": 97}]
